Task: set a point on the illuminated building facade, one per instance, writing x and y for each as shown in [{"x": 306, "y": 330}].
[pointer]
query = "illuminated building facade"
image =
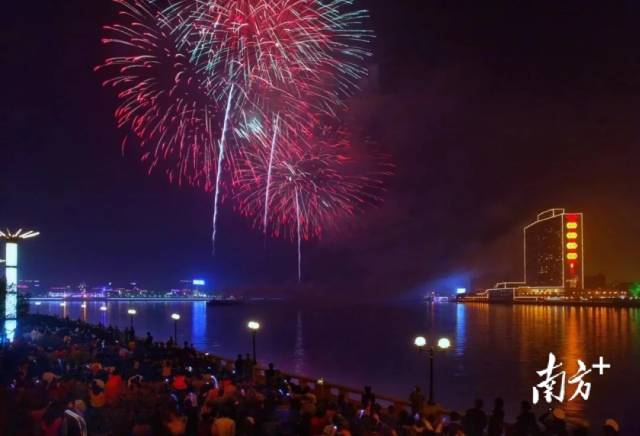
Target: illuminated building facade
[
  {"x": 553, "y": 251},
  {"x": 553, "y": 261}
]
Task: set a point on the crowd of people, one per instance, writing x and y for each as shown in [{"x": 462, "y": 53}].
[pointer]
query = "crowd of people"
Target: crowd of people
[{"x": 67, "y": 377}]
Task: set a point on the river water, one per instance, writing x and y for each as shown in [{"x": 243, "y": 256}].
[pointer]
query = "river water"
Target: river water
[{"x": 496, "y": 349}]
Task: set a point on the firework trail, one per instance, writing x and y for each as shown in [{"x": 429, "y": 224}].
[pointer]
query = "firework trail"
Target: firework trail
[
  {"x": 269, "y": 170},
  {"x": 299, "y": 234},
  {"x": 219, "y": 168}
]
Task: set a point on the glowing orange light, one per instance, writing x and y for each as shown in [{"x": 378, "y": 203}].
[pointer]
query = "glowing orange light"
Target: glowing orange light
[
  {"x": 572, "y": 235},
  {"x": 572, "y": 256},
  {"x": 572, "y": 225},
  {"x": 572, "y": 245}
]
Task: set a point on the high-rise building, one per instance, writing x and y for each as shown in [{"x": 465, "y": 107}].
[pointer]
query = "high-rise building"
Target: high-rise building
[{"x": 553, "y": 251}]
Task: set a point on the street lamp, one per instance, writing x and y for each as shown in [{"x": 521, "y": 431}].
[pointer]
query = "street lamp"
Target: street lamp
[
  {"x": 131, "y": 313},
  {"x": 421, "y": 343},
  {"x": 175, "y": 317},
  {"x": 103, "y": 308},
  {"x": 444, "y": 343},
  {"x": 254, "y": 326}
]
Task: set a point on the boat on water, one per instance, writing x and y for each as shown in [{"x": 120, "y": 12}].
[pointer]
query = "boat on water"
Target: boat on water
[{"x": 221, "y": 300}]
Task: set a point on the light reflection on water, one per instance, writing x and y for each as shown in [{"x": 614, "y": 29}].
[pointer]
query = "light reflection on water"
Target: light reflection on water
[
  {"x": 298, "y": 352},
  {"x": 496, "y": 350},
  {"x": 459, "y": 342},
  {"x": 199, "y": 325}
]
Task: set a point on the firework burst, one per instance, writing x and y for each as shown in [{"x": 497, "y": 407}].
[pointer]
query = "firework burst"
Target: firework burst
[
  {"x": 275, "y": 52},
  {"x": 307, "y": 189},
  {"x": 162, "y": 103},
  {"x": 240, "y": 86},
  {"x": 282, "y": 58}
]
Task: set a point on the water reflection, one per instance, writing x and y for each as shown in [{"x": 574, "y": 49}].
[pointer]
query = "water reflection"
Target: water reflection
[
  {"x": 573, "y": 351},
  {"x": 460, "y": 341},
  {"x": 199, "y": 323},
  {"x": 298, "y": 351}
]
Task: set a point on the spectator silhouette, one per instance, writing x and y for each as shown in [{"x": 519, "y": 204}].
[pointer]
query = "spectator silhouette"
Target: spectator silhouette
[
  {"x": 239, "y": 367},
  {"x": 496, "y": 421},
  {"x": 526, "y": 424},
  {"x": 554, "y": 423},
  {"x": 475, "y": 420},
  {"x": 416, "y": 398},
  {"x": 270, "y": 376},
  {"x": 368, "y": 398}
]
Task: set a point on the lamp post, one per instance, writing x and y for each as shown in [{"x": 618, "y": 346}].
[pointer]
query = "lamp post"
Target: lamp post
[
  {"x": 175, "y": 317},
  {"x": 11, "y": 271},
  {"x": 131, "y": 313},
  {"x": 254, "y": 326},
  {"x": 421, "y": 343}
]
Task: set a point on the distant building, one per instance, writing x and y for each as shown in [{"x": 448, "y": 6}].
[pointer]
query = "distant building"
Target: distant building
[
  {"x": 31, "y": 287},
  {"x": 553, "y": 260},
  {"x": 553, "y": 251}
]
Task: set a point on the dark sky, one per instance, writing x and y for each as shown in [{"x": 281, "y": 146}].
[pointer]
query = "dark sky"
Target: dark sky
[{"x": 492, "y": 111}]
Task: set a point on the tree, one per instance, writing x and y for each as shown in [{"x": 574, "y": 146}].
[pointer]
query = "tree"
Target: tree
[{"x": 634, "y": 289}]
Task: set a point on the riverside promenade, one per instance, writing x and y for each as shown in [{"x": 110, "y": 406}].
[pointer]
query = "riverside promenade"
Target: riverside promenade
[{"x": 62, "y": 376}]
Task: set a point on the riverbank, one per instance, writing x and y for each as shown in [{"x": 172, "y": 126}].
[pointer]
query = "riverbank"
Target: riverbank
[
  {"x": 61, "y": 371},
  {"x": 99, "y": 300},
  {"x": 569, "y": 303},
  {"x": 80, "y": 346}
]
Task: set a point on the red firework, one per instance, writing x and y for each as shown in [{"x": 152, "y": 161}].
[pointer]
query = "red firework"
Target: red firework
[
  {"x": 276, "y": 52},
  {"x": 162, "y": 102},
  {"x": 205, "y": 85},
  {"x": 314, "y": 184}
]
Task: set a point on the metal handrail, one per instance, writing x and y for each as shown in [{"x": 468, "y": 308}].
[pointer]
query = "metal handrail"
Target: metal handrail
[
  {"x": 322, "y": 388},
  {"x": 79, "y": 420}
]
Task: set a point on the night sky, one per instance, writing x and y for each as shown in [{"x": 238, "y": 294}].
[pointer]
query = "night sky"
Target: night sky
[{"x": 491, "y": 111}]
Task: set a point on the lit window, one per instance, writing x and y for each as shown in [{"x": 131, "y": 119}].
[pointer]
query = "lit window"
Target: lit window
[
  {"x": 572, "y": 245},
  {"x": 572, "y": 225},
  {"x": 572, "y": 235},
  {"x": 572, "y": 256}
]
